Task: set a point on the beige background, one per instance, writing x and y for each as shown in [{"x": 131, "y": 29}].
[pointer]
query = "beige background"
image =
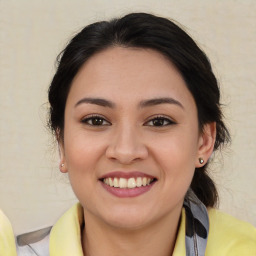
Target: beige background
[{"x": 32, "y": 33}]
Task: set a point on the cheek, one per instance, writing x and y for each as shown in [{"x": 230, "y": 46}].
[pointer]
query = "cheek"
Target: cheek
[
  {"x": 176, "y": 158},
  {"x": 81, "y": 149},
  {"x": 82, "y": 154},
  {"x": 82, "y": 157},
  {"x": 176, "y": 151},
  {"x": 177, "y": 168}
]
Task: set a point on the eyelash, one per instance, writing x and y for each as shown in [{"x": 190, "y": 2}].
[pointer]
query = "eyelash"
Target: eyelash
[
  {"x": 166, "y": 121},
  {"x": 89, "y": 121}
]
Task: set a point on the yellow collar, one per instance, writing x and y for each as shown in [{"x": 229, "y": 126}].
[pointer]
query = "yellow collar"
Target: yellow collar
[
  {"x": 7, "y": 243},
  {"x": 65, "y": 237}
]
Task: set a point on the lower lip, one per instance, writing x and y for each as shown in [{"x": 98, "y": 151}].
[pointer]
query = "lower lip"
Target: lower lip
[{"x": 127, "y": 192}]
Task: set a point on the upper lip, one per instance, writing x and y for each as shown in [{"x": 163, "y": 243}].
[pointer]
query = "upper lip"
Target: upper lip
[{"x": 126, "y": 175}]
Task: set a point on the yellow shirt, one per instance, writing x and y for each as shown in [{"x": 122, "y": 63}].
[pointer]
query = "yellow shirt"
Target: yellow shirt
[
  {"x": 7, "y": 243},
  {"x": 227, "y": 235}
]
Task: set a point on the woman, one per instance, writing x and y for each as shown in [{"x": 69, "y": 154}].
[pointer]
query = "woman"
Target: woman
[
  {"x": 135, "y": 108},
  {"x": 7, "y": 243}
]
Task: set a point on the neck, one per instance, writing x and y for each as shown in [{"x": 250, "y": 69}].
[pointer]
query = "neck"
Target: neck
[{"x": 156, "y": 239}]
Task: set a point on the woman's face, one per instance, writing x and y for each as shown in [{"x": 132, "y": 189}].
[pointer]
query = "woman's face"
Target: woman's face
[{"x": 131, "y": 138}]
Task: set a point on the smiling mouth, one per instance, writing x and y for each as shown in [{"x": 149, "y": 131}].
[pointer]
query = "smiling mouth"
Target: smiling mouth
[{"x": 130, "y": 183}]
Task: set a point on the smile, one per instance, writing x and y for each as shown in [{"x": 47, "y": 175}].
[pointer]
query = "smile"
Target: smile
[{"x": 128, "y": 183}]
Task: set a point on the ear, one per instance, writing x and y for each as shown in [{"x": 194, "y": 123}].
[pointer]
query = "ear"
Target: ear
[
  {"x": 206, "y": 144},
  {"x": 62, "y": 164}
]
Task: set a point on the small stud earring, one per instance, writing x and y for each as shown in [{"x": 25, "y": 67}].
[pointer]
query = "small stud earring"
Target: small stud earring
[
  {"x": 62, "y": 165},
  {"x": 201, "y": 160}
]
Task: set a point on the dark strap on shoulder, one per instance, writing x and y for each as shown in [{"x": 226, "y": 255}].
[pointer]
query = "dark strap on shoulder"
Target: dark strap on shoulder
[{"x": 197, "y": 225}]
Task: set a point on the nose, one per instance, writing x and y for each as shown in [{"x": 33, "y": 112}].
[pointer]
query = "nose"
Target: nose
[{"x": 127, "y": 146}]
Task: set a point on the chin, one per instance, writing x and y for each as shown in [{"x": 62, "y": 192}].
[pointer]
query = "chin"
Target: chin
[
  {"x": 127, "y": 223},
  {"x": 129, "y": 219}
]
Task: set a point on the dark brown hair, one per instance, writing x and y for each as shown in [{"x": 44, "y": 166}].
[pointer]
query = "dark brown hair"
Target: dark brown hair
[{"x": 143, "y": 30}]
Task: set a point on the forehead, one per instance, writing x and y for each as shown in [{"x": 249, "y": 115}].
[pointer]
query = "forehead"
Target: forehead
[
  {"x": 129, "y": 62},
  {"x": 120, "y": 73}
]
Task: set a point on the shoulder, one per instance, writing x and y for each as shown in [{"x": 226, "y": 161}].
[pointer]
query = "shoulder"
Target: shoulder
[
  {"x": 5, "y": 224},
  {"x": 65, "y": 237},
  {"x": 61, "y": 239},
  {"x": 7, "y": 244},
  {"x": 230, "y": 236}
]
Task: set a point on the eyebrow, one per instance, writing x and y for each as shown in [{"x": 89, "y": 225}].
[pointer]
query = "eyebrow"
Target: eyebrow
[
  {"x": 96, "y": 101},
  {"x": 145, "y": 103},
  {"x": 158, "y": 101}
]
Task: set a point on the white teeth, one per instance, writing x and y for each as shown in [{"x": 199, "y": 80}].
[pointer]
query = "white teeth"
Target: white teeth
[
  {"x": 127, "y": 183},
  {"x": 139, "y": 182},
  {"x": 131, "y": 183},
  {"x": 116, "y": 183},
  {"x": 123, "y": 183}
]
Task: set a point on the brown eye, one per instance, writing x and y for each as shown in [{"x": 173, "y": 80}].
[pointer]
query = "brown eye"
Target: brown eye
[
  {"x": 159, "y": 121},
  {"x": 95, "y": 121}
]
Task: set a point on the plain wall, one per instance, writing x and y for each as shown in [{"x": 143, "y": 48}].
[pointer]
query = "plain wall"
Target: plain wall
[{"x": 32, "y": 192}]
